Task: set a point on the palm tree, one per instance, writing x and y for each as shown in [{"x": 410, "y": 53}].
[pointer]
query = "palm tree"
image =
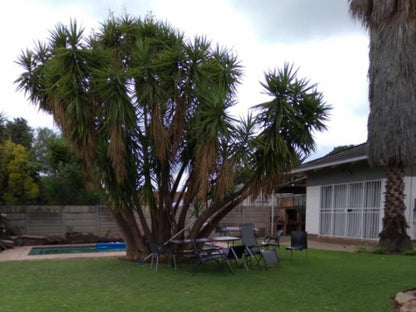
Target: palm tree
[
  {"x": 148, "y": 112},
  {"x": 391, "y": 126}
]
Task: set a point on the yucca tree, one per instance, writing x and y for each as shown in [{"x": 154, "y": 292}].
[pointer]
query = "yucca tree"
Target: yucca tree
[
  {"x": 392, "y": 95},
  {"x": 287, "y": 123},
  {"x": 147, "y": 111}
]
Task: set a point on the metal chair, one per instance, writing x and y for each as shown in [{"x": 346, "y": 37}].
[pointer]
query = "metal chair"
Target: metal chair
[
  {"x": 272, "y": 240},
  {"x": 298, "y": 242},
  {"x": 157, "y": 250},
  {"x": 209, "y": 254},
  {"x": 236, "y": 253},
  {"x": 253, "y": 250},
  {"x": 221, "y": 230}
]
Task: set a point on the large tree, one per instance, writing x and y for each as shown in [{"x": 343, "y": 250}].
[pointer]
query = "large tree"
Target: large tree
[
  {"x": 392, "y": 94},
  {"x": 148, "y": 112}
]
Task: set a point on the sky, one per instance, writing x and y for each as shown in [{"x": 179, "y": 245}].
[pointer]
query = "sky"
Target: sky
[{"x": 317, "y": 36}]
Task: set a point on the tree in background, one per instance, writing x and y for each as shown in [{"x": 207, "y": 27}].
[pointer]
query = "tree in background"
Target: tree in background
[
  {"x": 19, "y": 185},
  {"x": 19, "y": 132},
  {"x": 3, "y": 130},
  {"x": 147, "y": 111},
  {"x": 63, "y": 182},
  {"x": 392, "y": 95},
  {"x": 340, "y": 148},
  {"x": 40, "y": 149},
  {"x": 46, "y": 172}
]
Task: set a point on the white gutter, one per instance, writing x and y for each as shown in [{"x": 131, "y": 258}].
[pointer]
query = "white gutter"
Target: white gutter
[{"x": 330, "y": 164}]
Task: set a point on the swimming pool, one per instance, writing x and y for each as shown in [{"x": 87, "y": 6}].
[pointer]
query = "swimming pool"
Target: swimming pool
[{"x": 98, "y": 247}]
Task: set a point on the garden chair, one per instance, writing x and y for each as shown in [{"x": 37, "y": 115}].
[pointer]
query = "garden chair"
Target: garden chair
[
  {"x": 221, "y": 230},
  {"x": 213, "y": 253},
  {"x": 272, "y": 240},
  {"x": 298, "y": 242},
  {"x": 236, "y": 253},
  {"x": 158, "y": 250},
  {"x": 253, "y": 251}
]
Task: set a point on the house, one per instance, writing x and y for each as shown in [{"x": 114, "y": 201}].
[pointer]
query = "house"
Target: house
[{"x": 345, "y": 196}]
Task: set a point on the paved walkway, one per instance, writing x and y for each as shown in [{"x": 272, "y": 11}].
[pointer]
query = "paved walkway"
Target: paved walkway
[{"x": 22, "y": 253}]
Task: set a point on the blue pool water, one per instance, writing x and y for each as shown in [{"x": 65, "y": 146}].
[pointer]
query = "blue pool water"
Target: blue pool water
[{"x": 98, "y": 247}]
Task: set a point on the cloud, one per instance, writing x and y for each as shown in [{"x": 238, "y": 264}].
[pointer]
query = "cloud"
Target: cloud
[{"x": 298, "y": 20}]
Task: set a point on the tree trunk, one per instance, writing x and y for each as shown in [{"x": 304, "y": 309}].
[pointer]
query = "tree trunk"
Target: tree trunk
[
  {"x": 135, "y": 247},
  {"x": 394, "y": 236}
]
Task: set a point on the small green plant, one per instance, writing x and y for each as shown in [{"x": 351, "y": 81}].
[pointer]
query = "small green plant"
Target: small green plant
[
  {"x": 69, "y": 228},
  {"x": 379, "y": 251},
  {"x": 364, "y": 249},
  {"x": 197, "y": 209},
  {"x": 409, "y": 252},
  {"x": 3, "y": 231},
  {"x": 371, "y": 250}
]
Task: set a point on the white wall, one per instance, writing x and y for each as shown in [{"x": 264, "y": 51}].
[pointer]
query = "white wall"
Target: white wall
[
  {"x": 313, "y": 194},
  {"x": 410, "y": 198},
  {"x": 313, "y": 203}
]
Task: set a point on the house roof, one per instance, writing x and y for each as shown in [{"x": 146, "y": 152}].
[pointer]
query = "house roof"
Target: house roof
[{"x": 353, "y": 154}]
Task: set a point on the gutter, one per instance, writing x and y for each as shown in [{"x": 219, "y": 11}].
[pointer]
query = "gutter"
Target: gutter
[{"x": 330, "y": 164}]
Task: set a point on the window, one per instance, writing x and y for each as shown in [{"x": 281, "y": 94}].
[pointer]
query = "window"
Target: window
[{"x": 351, "y": 210}]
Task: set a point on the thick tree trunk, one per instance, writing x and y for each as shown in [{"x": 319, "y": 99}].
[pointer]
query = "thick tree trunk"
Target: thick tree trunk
[
  {"x": 394, "y": 236},
  {"x": 135, "y": 247}
]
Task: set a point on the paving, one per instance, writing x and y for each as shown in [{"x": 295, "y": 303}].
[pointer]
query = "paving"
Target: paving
[{"x": 22, "y": 253}]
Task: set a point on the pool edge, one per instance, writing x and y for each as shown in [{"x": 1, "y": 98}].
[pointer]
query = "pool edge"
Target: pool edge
[{"x": 22, "y": 253}]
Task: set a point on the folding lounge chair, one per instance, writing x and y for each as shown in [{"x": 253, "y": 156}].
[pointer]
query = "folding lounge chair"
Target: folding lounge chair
[
  {"x": 253, "y": 251},
  {"x": 236, "y": 253},
  {"x": 209, "y": 254}
]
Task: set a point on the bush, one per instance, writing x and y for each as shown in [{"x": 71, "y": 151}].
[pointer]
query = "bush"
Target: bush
[
  {"x": 380, "y": 251},
  {"x": 371, "y": 250},
  {"x": 410, "y": 252}
]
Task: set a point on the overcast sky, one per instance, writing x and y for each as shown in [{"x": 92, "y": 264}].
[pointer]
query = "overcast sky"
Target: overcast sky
[{"x": 318, "y": 36}]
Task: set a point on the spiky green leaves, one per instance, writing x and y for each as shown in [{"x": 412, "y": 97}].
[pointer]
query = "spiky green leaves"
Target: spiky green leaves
[
  {"x": 148, "y": 111},
  {"x": 286, "y": 124}
]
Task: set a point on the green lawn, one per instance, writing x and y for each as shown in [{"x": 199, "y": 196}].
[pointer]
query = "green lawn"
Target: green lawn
[{"x": 328, "y": 281}]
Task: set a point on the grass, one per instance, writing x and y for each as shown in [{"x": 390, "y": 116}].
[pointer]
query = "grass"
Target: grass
[{"x": 328, "y": 281}]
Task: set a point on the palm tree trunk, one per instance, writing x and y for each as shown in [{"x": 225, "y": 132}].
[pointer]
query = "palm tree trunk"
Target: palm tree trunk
[{"x": 394, "y": 236}]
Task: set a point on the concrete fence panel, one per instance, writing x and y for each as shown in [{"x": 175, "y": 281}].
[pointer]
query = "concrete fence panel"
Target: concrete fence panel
[{"x": 41, "y": 220}]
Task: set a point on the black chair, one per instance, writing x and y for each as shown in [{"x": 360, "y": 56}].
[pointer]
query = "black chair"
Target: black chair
[
  {"x": 298, "y": 242},
  {"x": 179, "y": 252},
  {"x": 212, "y": 253},
  {"x": 236, "y": 253},
  {"x": 253, "y": 251},
  {"x": 158, "y": 250},
  {"x": 270, "y": 257},
  {"x": 272, "y": 240},
  {"x": 221, "y": 230}
]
